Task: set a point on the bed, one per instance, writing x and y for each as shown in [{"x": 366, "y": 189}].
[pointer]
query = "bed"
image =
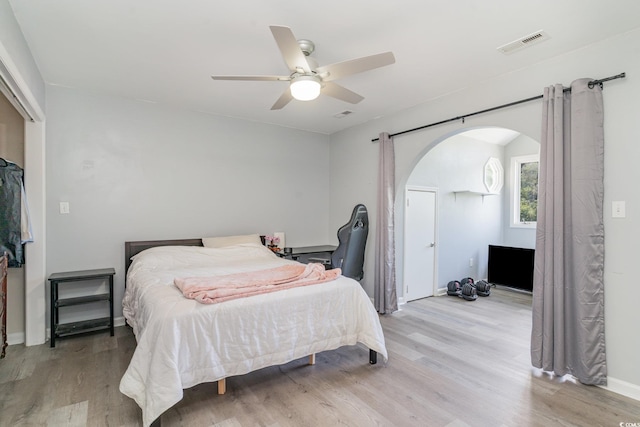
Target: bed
[{"x": 182, "y": 342}]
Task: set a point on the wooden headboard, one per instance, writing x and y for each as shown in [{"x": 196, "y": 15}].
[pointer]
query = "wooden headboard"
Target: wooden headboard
[{"x": 134, "y": 248}]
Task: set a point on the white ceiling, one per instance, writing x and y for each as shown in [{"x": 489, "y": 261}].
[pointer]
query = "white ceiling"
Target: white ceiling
[{"x": 164, "y": 51}]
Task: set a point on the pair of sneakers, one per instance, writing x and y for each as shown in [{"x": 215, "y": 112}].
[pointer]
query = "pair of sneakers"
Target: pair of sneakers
[{"x": 468, "y": 289}]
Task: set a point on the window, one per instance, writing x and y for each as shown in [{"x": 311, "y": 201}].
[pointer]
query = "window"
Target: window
[{"x": 525, "y": 191}]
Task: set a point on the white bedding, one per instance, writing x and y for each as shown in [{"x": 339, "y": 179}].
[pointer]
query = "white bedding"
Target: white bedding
[{"x": 182, "y": 343}]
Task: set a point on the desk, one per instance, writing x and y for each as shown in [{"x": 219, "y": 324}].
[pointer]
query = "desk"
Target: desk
[
  {"x": 303, "y": 254},
  {"x": 306, "y": 250}
]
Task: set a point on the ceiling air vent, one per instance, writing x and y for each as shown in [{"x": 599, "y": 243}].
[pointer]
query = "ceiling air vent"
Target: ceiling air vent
[
  {"x": 526, "y": 41},
  {"x": 342, "y": 114}
]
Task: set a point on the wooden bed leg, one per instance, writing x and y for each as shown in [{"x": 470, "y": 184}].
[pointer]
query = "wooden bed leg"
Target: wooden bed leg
[
  {"x": 373, "y": 357},
  {"x": 312, "y": 359},
  {"x": 222, "y": 386}
]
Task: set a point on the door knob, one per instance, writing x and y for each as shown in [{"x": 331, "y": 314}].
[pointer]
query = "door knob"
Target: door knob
[{"x": 432, "y": 244}]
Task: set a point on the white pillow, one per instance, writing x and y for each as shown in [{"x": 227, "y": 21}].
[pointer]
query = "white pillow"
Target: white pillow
[
  {"x": 167, "y": 256},
  {"x": 221, "y": 242}
]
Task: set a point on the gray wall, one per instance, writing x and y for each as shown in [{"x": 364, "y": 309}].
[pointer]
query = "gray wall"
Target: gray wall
[
  {"x": 602, "y": 59},
  {"x": 137, "y": 171},
  {"x": 467, "y": 222},
  {"x": 12, "y": 40}
]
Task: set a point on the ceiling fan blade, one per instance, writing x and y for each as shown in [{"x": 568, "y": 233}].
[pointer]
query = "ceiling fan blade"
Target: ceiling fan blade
[
  {"x": 336, "y": 91},
  {"x": 253, "y": 78},
  {"x": 353, "y": 66},
  {"x": 283, "y": 100},
  {"x": 291, "y": 52}
]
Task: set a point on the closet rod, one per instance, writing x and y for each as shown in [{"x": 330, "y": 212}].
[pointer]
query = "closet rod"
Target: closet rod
[
  {"x": 592, "y": 83},
  {"x": 15, "y": 97}
]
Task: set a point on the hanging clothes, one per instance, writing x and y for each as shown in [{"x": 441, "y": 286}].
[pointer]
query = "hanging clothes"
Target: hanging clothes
[{"x": 11, "y": 213}]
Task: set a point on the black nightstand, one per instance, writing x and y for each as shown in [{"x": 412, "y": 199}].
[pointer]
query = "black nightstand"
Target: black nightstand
[{"x": 59, "y": 330}]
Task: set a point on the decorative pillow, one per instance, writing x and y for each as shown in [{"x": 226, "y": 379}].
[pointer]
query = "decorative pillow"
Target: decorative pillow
[{"x": 221, "y": 242}]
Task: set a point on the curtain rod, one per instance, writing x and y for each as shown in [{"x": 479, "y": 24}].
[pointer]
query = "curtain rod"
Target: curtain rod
[
  {"x": 15, "y": 97},
  {"x": 592, "y": 83}
]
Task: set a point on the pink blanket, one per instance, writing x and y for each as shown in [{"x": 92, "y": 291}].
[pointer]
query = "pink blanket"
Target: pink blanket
[{"x": 215, "y": 289}]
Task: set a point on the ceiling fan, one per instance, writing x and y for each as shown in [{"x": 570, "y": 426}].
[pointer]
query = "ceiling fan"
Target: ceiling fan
[{"x": 307, "y": 79}]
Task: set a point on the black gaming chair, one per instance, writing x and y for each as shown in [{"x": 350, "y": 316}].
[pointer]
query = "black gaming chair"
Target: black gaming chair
[{"x": 352, "y": 238}]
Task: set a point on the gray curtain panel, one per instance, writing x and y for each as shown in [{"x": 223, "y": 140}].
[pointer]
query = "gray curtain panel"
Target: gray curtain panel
[
  {"x": 568, "y": 289},
  {"x": 385, "y": 296}
]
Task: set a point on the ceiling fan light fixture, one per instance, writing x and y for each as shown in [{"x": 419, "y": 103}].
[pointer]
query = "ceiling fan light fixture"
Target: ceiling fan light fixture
[{"x": 305, "y": 88}]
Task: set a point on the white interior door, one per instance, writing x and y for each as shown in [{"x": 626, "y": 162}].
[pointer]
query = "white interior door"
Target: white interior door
[{"x": 420, "y": 242}]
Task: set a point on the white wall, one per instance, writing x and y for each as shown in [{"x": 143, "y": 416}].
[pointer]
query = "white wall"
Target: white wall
[
  {"x": 138, "y": 171},
  {"x": 467, "y": 222},
  {"x": 605, "y": 58}
]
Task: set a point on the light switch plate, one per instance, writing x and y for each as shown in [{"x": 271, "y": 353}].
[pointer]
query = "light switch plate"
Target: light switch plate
[
  {"x": 618, "y": 209},
  {"x": 64, "y": 207}
]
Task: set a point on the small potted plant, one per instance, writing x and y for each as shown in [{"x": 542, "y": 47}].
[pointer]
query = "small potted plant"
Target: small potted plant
[{"x": 272, "y": 242}]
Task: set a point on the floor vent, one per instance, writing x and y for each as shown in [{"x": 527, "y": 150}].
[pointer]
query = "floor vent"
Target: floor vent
[
  {"x": 526, "y": 41},
  {"x": 342, "y": 114}
]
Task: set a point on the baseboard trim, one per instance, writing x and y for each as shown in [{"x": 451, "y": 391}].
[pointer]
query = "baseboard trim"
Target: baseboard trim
[
  {"x": 623, "y": 387},
  {"x": 15, "y": 338},
  {"x": 438, "y": 293},
  {"x": 18, "y": 337}
]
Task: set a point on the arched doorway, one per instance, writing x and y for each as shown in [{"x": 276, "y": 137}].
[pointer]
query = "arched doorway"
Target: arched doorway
[{"x": 469, "y": 213}]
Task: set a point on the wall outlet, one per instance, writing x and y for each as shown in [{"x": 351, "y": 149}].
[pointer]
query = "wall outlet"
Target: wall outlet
[{"x": 470, "y": 262}]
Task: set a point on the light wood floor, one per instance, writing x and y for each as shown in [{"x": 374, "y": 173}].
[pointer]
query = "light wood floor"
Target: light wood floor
[{"x": 452, "y": 363}]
